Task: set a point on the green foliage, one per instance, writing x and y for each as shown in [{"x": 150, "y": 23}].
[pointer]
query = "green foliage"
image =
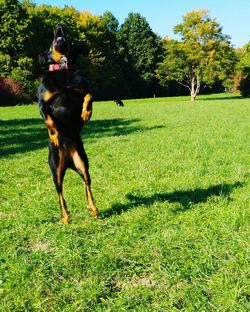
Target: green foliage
[
  {"x": 15, "y": 32},
  {"x": 203, "y": 55},
  {"x": 244, "y": 56},
  {"x": 102, "y": 68},
  {"x": 243, "y": 70},
  {"x": 5, "y": 65},
  {"x": 139, "y": 52},
  {"x": 15, "y": 28},
  {"x": 110, "y": 21},
  {"x": 123, "y": 60},
  {"x": 23, "y": 73},
  {"x": 171, "y": 179},
  {"x": 244, "y": 86},
  {"x": 139, "y": 46}
]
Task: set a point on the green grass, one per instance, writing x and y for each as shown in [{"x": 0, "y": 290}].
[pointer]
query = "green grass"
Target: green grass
[{"x": 171, "y": 179}]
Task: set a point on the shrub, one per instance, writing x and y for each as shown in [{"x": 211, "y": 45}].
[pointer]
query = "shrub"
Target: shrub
[
  {"x": 10, "y": 92},
  {"x": 5, "y": 65},
  {"x": 15, "y": 92},
  {"x": 19, "y": 86},
  {"x": 244, "y": 86}
]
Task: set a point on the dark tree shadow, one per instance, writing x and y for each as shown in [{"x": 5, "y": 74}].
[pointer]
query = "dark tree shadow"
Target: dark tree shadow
[
  {"x": 24, "y": 135},
  {"x": 21, "y": 135},
  {"x": 226, "y": 97},
  {"x": 186, "y": 199}
]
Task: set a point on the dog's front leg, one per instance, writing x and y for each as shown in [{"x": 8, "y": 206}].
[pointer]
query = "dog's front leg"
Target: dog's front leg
[
  {"x": 87, "y": 107},
  {"x": 46, "y": 111},
  {"x": 52, "y": 130}
]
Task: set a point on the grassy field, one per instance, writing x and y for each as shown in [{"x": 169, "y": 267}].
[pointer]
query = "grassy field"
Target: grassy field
[{"x": 171, "y": 180}]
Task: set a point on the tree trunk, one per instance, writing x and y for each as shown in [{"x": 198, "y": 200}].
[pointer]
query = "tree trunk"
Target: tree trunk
[
  {"x": 195, "y": 87},
  {"x": 193, "y": 90},
  {"x": 193, "y": 96}
]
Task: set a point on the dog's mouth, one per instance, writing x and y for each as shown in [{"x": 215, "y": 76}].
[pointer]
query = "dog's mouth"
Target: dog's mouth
[
  {"x": 59, "y": 31},
  {"x": 60, "y": 43}
]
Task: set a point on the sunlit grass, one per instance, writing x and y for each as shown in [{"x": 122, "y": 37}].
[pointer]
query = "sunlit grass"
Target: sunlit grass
[{"x": 171, "y": 179}]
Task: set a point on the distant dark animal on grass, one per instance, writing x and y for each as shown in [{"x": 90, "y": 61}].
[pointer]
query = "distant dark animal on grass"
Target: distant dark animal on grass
[
  {"x": 65, "y": 103},
  {"x": 119, "y": 102}
]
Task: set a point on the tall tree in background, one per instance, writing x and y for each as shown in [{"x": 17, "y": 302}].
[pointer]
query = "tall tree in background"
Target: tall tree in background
[
  {"x": 139, "y": 47},
  {"x": 102, "y": 68},
  {"x": 15, "y": 33},
  {"x": 243, "y": 71},
  {"x": 204, "y": 54},
  {"x": 116, "y": 85},
  {"x": 110, "y": 21},
  {"x": 16, "y": 62}
]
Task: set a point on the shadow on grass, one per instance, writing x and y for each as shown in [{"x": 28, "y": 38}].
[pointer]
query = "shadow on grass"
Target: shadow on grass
[
  {"x": 24, "y": 135},
  {"x": 113, "y": 127},
  {"x": 21, "y": 135},
  {"x": 216, "y": 98},
  {"x": 186, "y": 198}
]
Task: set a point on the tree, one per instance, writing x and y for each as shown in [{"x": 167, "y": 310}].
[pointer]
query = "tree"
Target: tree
[
  {"x": 203, "y": 55},
  {"x": 139, "y": 48},
  {"x": 99, "y": 67},
  {"x": 14, "y": 34},
  {"x": 110, "y": 21},
  {"x": 243, "y": 71}
]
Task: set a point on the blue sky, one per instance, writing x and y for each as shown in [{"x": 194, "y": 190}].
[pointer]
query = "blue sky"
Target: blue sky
[{"x": 163, "y": 15}]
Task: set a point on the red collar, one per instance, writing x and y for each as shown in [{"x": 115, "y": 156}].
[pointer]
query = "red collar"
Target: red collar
[{"x": 53, "y": 67}]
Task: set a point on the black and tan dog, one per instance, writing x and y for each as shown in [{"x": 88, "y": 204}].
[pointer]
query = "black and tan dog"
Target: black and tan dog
[{"x": 65, "y": 104}]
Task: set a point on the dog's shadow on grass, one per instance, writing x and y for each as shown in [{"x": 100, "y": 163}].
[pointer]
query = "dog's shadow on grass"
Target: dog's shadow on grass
[
  {"x": 187, "y": 199},
  {"x": 24, "y": 135},
  {"x": 113, "y": 127}
]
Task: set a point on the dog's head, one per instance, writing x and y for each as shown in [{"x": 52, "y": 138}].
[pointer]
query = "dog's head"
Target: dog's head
[
  {"x": 59, "y": 50},
  {"x": 60, "y": 43}
]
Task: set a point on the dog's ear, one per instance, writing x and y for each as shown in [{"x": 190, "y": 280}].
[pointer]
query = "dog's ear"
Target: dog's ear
[{"x": 42, "y": 58}]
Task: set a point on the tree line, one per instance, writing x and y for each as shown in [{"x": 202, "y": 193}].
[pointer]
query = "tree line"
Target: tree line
[{"x": 124, "y": 61}]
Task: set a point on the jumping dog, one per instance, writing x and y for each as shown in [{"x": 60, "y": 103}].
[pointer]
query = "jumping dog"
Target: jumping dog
[{"x": 65, "y": 104}]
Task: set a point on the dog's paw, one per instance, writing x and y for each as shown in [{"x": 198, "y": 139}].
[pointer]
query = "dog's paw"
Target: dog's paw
[
  {"x": 86, "y": 115},
  {"x": 93, "y": 211},
  {"x": 66, "y": 220}
]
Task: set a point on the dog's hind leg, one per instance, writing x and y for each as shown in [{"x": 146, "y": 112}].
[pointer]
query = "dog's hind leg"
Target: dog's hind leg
[
  {"x": 58, "y": 168},
  {"x": 80, "y": 162}
]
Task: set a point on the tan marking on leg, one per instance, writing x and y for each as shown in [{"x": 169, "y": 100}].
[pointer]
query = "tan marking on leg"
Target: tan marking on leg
[
  {"x": 47, "y": 95},
  {"x": 65, "y": 213},
  {"x": 80, "y": 166},
  {"x": 53, "y": 132},
  {"x": 60, "y": 167},
  {"x": 60, "y": 175},
  {"x": 87, "y": 108}
]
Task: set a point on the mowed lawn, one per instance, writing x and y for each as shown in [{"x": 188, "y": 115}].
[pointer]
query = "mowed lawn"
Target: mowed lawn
[{"x": 171, "y": 181}]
